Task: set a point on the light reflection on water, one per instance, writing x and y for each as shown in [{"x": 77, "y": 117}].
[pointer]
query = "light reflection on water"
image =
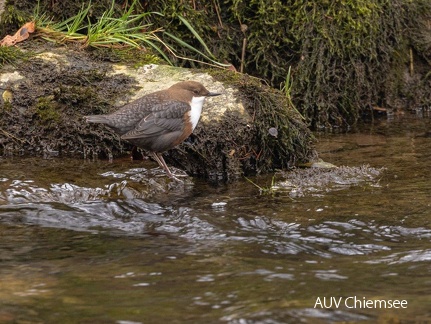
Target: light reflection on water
[{"x": 116, "y": 243}]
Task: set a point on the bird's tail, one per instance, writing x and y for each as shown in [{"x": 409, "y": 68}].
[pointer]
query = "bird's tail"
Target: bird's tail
[{"x": 96, "y": 119}]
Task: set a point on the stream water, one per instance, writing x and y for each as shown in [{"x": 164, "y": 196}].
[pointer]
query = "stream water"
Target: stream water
[{"x": 93, "y": 242}]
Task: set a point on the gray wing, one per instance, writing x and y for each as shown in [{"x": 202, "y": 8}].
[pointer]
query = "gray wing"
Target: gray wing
[
  {"x": 125, "y": 119},
  {"x": 164, "y": 118}
]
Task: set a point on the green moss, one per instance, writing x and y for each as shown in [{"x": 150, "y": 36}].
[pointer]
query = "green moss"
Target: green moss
[
  {"x": 47, "y": 110},
  {"x": 269, "y": 108},
  {"x": 130, "y": 56},
  {"x": 346, "y": 55},
  {"x": 272, "y": 109},
  {"x": 6, "y": 107},
  {"x": 10, "y": 54},
  {"x": 13, "y": 17},
  {"x": 229, "y": 78}
]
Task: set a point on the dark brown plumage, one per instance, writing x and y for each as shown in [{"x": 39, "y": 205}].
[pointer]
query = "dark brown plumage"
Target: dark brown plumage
[{"x": 160, "y": 120}]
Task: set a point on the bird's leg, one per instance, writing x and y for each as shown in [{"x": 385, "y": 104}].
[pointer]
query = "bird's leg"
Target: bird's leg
[{"x": 159, "y": 158}]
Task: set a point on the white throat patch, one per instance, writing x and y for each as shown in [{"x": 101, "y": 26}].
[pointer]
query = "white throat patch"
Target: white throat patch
[{"x": 195, "y": 113}]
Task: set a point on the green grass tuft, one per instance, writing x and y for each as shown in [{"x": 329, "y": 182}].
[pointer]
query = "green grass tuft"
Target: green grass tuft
[{"x": 128, "y": 30}]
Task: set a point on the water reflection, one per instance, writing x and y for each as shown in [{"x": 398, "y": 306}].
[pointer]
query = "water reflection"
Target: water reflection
[{"x": 117, "y": 243}]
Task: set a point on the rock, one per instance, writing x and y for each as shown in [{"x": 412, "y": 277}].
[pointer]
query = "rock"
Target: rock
[
  {"x": 232, "y": 139},
  {"x": 6, "y": 79}
]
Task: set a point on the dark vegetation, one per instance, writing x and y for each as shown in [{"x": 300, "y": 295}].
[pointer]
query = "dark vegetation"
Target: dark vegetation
[{"x": 347, "y": 56}]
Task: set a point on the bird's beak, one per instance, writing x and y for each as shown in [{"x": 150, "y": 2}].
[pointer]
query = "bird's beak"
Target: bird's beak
[{"x": 213, "y": 94}]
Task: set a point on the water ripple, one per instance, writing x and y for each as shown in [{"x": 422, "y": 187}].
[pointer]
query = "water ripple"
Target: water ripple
[
  {"x": 120, "y": 206},
  {"x": 404, "y": 257}
]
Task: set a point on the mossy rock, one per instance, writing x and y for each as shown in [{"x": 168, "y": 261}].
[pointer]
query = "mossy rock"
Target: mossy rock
[
  {"x": 50, "y": 92},
  {"x": 60, "y": 86},
  {"x": 235, "y": 141}
]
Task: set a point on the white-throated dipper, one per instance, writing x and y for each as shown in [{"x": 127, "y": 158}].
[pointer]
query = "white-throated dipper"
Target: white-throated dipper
[{"x": 160, "y": 120}]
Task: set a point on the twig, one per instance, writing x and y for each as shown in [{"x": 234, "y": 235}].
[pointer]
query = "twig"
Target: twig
[
  {"x": 13, "y": 137},
  {"x": 216, "y": 7},
  {"x": 244, "y": 28}
]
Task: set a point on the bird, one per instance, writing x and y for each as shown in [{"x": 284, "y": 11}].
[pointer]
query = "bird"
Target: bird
[{"x": 159, "y": 121}]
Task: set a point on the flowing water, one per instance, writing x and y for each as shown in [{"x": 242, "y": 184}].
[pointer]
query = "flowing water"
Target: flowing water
[{"x": 99, "y": 242}]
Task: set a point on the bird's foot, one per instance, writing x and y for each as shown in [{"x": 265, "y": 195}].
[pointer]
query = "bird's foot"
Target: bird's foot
[
  {"x": 170, "y": 175},
  {"x": 176, "y": 176},
  {"x": 176, "y": 179}
]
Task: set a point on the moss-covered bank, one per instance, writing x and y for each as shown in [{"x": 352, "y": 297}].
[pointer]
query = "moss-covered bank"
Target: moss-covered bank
[
  {"x": 43, "y": 115},
  {"x": 347, "y": 56}
]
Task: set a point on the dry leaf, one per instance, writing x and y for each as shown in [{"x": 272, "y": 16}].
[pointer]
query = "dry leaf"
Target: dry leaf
[{"x": 22, "y": 34}]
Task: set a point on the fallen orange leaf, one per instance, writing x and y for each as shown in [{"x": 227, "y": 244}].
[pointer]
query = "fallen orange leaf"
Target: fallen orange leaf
[{"x": 22, "y": 34}]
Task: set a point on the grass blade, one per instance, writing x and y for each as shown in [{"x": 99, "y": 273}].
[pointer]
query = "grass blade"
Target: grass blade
[
  {"x": 190, "y": 27},
  {"x": 187, "y": 45}
]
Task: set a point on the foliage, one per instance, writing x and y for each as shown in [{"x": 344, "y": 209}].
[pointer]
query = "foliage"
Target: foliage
[
  {"x": 346, "y": 56},
  {"x": 13, "y": 17},
  {"x": 178, "y": 19},
  {"x": 267, "y": 190},
  {"x": 107, "y": 31},
  {"x": 128, "y": 30}
]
